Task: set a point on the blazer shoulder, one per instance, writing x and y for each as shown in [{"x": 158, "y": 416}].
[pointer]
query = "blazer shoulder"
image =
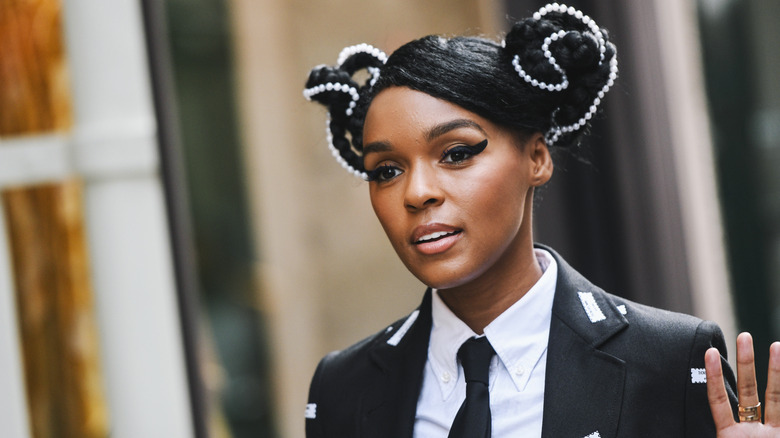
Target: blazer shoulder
[
  {"x": 663, "y": 319},
  {"x": 660, "y": 326}
]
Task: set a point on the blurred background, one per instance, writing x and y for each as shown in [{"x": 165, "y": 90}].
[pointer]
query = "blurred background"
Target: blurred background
[{"x": 179, "y": 249}]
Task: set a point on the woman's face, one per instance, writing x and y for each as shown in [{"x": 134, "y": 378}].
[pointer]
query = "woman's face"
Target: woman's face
[{"x": 452, "y": 190}]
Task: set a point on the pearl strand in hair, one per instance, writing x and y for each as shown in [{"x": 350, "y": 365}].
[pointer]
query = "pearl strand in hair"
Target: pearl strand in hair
[
  {"x": 337, "y": 155},
  {"x": 547, "y": 54},
  {"x": 321, "y": 88},
  {"x": 557, "y": 131},
  {"x": 308, "y": 93}
]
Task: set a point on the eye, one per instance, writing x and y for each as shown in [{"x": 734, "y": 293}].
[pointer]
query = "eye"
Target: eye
[
  {"x": 456, "y": 155},
  {"x": 383, "y": 173},
  {"x": 459, "y": 154}
]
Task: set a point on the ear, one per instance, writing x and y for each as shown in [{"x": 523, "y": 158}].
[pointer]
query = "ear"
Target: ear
[{"x": 541, "y": 160}]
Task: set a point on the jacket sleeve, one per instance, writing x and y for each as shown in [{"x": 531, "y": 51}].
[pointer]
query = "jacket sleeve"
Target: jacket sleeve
[
  {"x": 698, "y": 418},
  {"x": 314, "y": 418}
]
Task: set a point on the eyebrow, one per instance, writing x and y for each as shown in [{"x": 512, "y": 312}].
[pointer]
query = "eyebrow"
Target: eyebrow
[
  {"x": 452, "y": 125},
  {"x": 434, "y": 132},
  {"x": 376, "y": 146}
]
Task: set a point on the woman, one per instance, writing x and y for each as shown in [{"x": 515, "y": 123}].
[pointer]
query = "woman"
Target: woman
[{"x": 453, "y": 136}]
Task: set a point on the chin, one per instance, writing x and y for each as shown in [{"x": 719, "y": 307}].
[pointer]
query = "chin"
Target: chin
[{"x": 442, "y": 278}]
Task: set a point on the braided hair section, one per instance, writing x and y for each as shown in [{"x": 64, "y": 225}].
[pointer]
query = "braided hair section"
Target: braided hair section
[
  {"x": 549, "y": 75},
  {"x": 335, "y": 88},
  {"x": 562, "y": 51}
]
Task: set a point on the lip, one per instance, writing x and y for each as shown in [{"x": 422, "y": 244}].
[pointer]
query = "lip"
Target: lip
[{"x": 439, "y": 238}]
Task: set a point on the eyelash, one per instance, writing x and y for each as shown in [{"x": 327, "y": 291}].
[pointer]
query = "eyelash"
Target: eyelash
[
  {"x": 469, "y": 151},
  {"x": 376, "y": 174}
]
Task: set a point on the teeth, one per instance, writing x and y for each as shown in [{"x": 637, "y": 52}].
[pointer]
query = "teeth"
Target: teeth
[{"x": 433, "y": 236}]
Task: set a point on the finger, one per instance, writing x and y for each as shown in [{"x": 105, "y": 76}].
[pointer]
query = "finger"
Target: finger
[
  {"x": 746, "y": 371},
  {"x": 716, "y": 391},
  {"x": 772, "y": 399}
]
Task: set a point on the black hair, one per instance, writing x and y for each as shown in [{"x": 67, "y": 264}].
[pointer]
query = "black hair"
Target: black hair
[{"x": 478, "y": 75}]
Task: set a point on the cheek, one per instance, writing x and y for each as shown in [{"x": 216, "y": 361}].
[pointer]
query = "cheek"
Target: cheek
[
  {"x": 499, "y": 194},
  {"x": 383, "y": 205}
]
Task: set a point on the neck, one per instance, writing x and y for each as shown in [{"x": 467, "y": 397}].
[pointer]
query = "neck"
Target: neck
[
  {"x": 478, "y": 302},
  {"x": 478, "y": 305}
]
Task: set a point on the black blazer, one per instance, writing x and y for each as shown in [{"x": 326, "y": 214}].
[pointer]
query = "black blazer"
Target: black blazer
[{"x": 620, "y": 370}]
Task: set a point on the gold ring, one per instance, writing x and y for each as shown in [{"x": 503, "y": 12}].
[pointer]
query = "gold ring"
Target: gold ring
[{"x": 750, "y": 413}]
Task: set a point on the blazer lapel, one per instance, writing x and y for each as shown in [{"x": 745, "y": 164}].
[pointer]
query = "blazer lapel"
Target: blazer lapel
[
  {"x": 388, "y": 409},
  {"x": 583, "y": 385}
]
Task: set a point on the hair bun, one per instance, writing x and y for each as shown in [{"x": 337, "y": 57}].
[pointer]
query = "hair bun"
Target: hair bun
[
  {"x": 561, "y": 50},
  {"x": 335, "y": 88}
]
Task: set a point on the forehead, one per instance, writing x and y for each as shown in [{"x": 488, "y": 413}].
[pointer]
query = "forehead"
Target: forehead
[{"x": 400, "y": 112}]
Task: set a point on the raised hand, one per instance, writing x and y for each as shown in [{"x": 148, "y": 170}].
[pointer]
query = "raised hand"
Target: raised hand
[{"x": 750, "y": 424}]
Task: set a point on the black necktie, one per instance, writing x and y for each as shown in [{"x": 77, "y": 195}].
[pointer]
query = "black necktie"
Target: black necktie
[{"x": 473, "y": 418}]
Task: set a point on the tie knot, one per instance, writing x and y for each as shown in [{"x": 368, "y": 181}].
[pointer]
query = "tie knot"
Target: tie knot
[{"x": 475, "y": 355}]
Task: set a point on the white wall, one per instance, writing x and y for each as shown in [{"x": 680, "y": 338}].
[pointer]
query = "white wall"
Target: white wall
[{"x": 114, "y": 149}]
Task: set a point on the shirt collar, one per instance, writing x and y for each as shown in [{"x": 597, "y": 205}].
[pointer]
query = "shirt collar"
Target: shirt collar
[{"x": 519, "y": 335}]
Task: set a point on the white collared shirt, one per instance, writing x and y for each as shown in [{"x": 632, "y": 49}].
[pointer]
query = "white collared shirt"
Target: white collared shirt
[{"x": 519, "y": 337}]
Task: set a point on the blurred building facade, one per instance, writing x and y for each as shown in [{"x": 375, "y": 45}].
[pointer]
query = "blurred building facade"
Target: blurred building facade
[{"x": 228, "y": 252}]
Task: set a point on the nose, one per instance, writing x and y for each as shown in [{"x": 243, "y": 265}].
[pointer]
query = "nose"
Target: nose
[{"x": 422, "y": 189}]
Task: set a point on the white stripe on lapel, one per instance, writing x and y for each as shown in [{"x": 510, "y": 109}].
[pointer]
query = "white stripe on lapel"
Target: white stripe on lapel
[
  {"x": 591, "y": 308},
  {"x": 594, "y": 435},
  {"x": 622, "y": 309},
  {"x": 396, "y": 338},
  {"x": 311, "y": 411},
  {"x": 698, "y": 375}
]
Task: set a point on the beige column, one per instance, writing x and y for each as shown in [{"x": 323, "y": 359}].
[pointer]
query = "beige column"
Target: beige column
[{"x": 678, "y": 41}]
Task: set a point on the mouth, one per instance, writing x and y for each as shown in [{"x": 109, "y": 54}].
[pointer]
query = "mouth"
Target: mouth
[
  {"x": 436, "y": 236},
  {"x": 432, "y": 239}
]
